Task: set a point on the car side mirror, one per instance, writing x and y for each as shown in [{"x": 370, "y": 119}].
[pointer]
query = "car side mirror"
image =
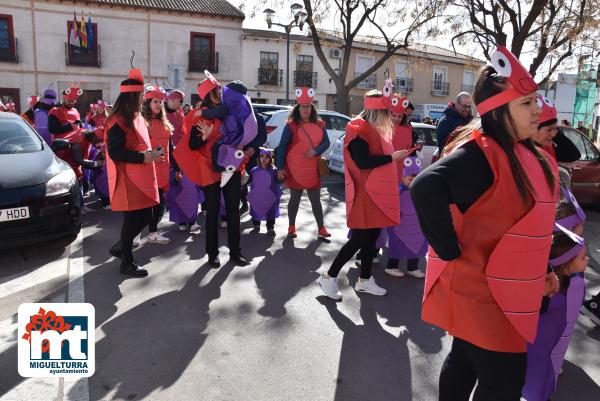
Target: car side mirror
[{"x": 60, "y": 144}]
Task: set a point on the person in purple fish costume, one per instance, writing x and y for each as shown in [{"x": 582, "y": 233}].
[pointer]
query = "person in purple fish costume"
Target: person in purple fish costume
[
  {"x": 265, "y": 192},
  {"x": 100, "y": 179},
  {"x": 406, "y": 240},
  {"x": 545, "y": 357},
  {"x": 183, "y": 198},
  {"x": 40, "y": 114}
]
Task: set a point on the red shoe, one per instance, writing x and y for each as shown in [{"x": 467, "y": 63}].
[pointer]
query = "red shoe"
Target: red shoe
[
  {"x": 323, "y": 233},
  {"x": 292, "y": 232}
]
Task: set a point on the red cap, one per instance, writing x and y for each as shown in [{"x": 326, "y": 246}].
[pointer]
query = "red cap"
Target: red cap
[
  {"x": 176, "y": 94},
  {"x": 10, "y": 106},
  {"x": 207, "y": 85},
  {"x": 548, "y": 109},
  {"x": 101, "y": 104},
  {"x": 520, "y": 81},
  {"x": 305, "y": 95},
  {"x": 376, "y": 103},
  {"x": 135, "y": 74},
  {"x": 399, "y": 104},
  {"x": 155, "y": 92},
  {"x": 93, "y": 106},
  {"x": 32, "y": 101},
  {"x": 72, "y": 93}
]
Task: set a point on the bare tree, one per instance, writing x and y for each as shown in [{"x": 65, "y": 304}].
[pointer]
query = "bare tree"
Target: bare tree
[{"x": 549, "y": 29}]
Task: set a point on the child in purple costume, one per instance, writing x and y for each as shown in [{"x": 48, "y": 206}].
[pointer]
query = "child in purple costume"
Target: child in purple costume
[
  {"x": 265, "y": 192},
  {"x": 406, "y": 240}
]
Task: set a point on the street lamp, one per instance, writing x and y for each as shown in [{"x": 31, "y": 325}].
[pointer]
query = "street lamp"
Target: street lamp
[{"x": 299, "y": 19}]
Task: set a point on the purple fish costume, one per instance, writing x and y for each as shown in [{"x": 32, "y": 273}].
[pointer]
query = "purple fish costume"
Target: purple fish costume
[
  {"x": 406, "y": 240},
  {"x": 183, "y": 198},
  {"x": 546, "y": 355},
  {"x": 264, "y": 194},
  {"x": 100, "y": 177},
  {"x": 40, "y": 116}
]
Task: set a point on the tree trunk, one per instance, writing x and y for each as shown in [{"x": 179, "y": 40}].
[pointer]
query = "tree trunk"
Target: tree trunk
[{"x": 343, "y": 100}]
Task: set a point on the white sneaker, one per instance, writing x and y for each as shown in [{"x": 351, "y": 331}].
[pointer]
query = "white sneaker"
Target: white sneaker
[
  {"x": 157, "y": 238},
  {"x": 369, "y": 286},
  {"x": 223, "y": 224},
  {"x": 395, "y": 272},
  {"x": 195, "y": 227},
  {"x": 225, "y": 177},
  {"x": 136, "y": 240},
  {"x": 329, "y": 286},
  {"x": 415, "y": 273},
  {"x": 107, "y": 207},
  {"x": 183, "y": 227}
]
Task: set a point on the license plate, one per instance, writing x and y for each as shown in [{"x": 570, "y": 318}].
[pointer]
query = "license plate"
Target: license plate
[
  {"x": 16, "y": 213},
  {"x": 337, "y": 163}
]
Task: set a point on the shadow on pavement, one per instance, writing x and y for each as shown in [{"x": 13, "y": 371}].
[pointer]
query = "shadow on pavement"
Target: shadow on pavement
[{"x": 573, "y": 381}]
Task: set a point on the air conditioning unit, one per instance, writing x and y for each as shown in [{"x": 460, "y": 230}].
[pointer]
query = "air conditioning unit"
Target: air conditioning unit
[{"x": 335, "y": 53}]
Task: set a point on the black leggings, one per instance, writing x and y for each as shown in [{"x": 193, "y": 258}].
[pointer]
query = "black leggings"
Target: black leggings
[
  {"x": 314, "y": 196},
  {"x": 363, "y": 239},
  {"x": 500, "y": 376},
  {"x": 134, "y": 222},
  {"x": 231, "y": 195},
  {"x": 157, "y": 212}
]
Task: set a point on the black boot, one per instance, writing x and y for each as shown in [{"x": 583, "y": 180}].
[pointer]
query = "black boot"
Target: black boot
[
  {"x": 132, "y": 269},
  {"x": 116, "y": 250},
  {"x": 214, "y": 261},
  {"x": 238, "y": 259}
]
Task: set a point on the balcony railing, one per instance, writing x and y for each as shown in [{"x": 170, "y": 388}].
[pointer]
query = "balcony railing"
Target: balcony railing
[
  {"x": 440, "y": 88},
  {"x": 270, "y": 76},
  {"x": 370, "y": 82},
  {"x": 468, "y": 88},
  {"x": 10, "y": 57},
  {"x": 88, "y": 60},
  {"x": 403, "y": 84},
  {"x": 198, "y": 66},
  {"x": 305, "y": 78}
]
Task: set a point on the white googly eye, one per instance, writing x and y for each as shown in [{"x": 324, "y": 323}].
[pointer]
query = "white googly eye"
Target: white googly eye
[
  {"x": 395, "y": 101},
  {"x": 149, "y": 88},
  {"x": 387, "y": 91},
  {"x": 548, "y": 101},
  {"x": 311, "y": 92},
  {"x": 501, "y": 64},
  {"x": 68, "y": 91},
  {"x": 80, "y": 92},
  {"x": 405, "y": 103},
  {"x": 407, "y": 162},
  {"x": 418, "y": 161},
  {"x": 539, "y": 102},
  {"x": 162, "y": 90},
  {"x": 298, "y": 92},
  {"x": 99, "y": 101},
  {"x": 29, "y": 99}
]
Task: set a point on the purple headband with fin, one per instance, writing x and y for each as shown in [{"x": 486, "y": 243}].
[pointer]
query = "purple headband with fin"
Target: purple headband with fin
[
  {"x": 574, "y": 219},
  {"x": 579, "y": 243},
  {"x": 266, "y": 151}
]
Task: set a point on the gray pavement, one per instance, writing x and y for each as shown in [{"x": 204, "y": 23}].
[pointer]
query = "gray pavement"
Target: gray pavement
[{"x": 262, "y": 332}]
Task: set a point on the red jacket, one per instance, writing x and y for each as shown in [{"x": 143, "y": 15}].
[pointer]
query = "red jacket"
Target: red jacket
[
  {"x": 132, "y": 186},
  {"x": 372, "y": 197},
  {"x": 491, "y": 295}
]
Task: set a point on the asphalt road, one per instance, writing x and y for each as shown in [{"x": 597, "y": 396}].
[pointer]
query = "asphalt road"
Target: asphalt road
[{"x": 262, "y": 332}]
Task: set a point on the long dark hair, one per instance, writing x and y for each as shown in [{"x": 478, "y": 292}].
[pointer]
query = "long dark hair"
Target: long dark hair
[
  {"x": 162, "y": 116},
  {"x": 295, "y": 114},
  {"x": 494, "y": 125},
  {"x": 127, "y": 104}
]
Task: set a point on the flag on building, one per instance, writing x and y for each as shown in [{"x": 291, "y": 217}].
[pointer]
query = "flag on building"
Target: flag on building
[
  {"x": 74, "y": 33},
  {"x": 90, "y": 34},
  {"x": 83, "y": 33}
]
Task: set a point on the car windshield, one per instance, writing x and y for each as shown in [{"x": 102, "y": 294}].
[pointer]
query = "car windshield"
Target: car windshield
[
  {"x": 426, "y": 135},
  {"x": 586, "y": 148},
  {"x": 18, "y": 137}
]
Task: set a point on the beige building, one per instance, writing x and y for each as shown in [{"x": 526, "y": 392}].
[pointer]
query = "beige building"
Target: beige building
[{"x": 174, "y": 41}]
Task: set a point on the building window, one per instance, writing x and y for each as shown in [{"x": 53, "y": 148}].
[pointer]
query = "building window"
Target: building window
[
  {"x": 269, "y": 73},
  {"x": 7, "y": 39},
  {"x": 468, "y": 81},
  {"x": 304, "y": 75},
  {"x": 202, "y": 52},
  {"x": 83, "y": 56},
  {"x": 440, "y": 86}
]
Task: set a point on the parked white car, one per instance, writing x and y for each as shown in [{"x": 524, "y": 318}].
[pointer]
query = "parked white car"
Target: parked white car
[
  {"x": 421, "y": 132},
  {"x": 335, "y": 123}
]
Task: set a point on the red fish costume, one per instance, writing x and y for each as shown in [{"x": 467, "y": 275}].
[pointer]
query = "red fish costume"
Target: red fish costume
[
  {"x": 402, "y": 138},
  {"x": 69, "y": 115},
  {"x": 372, "y": 198},
  {"x": 159, "y": 136},
  {"x": 176, "y": 118},
  {"x": 490, "y": 296},
  {"x": 132, "y": 186},
  {"x": 303, "y": 173}
]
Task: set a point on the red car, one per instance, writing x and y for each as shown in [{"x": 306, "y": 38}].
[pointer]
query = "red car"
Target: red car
[{"x": 585, "y": 172}]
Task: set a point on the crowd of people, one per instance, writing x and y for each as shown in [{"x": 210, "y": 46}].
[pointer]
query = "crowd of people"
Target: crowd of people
[{"x": 503, "y": 238}]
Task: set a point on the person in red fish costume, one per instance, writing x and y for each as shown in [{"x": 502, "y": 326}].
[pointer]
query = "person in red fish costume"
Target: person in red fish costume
[
  {"x": 194, "y": 156},
  {"x": 487, "y": 210},
  {"x": 28, "y": 115},
  {"x": 131, "y": 171},
  {"x": 372, "y": 197},
  {"x": 160, "y": 131},
  {"x": 303, "y": 141}
]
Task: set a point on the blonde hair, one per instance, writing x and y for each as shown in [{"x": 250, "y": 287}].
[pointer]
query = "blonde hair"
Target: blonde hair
[{"x": 380, "y": 119}]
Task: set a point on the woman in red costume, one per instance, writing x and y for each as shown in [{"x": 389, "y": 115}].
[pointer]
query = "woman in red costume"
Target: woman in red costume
[
  {"x": 372, "y": 198},
  {"x": 193, "y": 154},
  {"x": 131, "y": 173},
  {"x": 160, "y": 131},
  {"x": 303, "y": 140},
  {"x": 487, "y": 210}
]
